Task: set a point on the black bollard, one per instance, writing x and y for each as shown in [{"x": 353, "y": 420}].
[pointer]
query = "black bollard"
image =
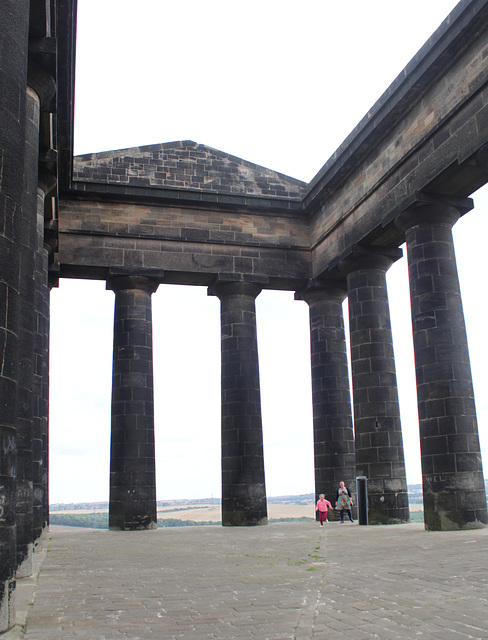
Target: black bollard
[{"x": 362, "y": 496}]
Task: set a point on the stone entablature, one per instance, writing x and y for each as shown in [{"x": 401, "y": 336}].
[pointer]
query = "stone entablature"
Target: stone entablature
[
  {"x": 185, "y": 165},
  {"x": 184, "y": 224},
  {"x": 440, "y": 124},
  {"x": 423, "y": 135},
  {"x": 191, "y": 246}
]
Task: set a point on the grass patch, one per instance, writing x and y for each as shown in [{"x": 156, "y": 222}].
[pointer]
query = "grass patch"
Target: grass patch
[
  {"x": 301, "y": 519},
  {"x": 100, "y": 521},
  {"x": 416, "y": 516}
]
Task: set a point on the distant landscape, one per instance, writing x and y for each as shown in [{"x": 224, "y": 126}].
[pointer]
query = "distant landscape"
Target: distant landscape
[{"x": 204, "y": 512}]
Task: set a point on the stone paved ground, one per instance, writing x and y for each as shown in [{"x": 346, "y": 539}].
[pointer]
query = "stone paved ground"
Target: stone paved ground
[{"x": 291, "y": 581}]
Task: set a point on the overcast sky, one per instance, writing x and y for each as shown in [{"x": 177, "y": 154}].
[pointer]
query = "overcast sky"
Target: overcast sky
[{"x": 278, "y": 83}]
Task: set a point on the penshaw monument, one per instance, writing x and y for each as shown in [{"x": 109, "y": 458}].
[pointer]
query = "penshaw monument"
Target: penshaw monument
[{"x": 185, "y": 213}]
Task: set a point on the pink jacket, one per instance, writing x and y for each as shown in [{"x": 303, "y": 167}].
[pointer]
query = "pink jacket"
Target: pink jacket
[{"x": 322, "y": 505}]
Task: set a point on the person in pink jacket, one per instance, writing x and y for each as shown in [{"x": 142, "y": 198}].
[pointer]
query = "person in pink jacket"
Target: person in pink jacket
[{"x": 322, "y": 506}]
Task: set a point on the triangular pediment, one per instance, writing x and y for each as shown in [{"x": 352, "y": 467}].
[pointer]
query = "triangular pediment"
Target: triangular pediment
[{"x": 185, "y": 165}]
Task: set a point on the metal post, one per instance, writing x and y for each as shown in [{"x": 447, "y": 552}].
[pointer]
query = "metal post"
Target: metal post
[{"x": 362, "y": 496}]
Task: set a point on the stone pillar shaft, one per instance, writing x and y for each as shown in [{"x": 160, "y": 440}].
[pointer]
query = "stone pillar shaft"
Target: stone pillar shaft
[
  {"x": 132, "y": 454},
  {"x": 379, "y": 444},
  {"x": 334, "y": 454},
  {"x": 42, "y": 164},
  {"x": 14, "y": 30},
  {"x": 25, "y": 403},
  {"x": 453, "y": 484},
  {"x": 41, "y": 383},
  {"x": 243, "y": 482}
]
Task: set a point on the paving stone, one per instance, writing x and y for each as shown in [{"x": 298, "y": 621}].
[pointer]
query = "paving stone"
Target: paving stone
[{"x": 219, "y": 583}]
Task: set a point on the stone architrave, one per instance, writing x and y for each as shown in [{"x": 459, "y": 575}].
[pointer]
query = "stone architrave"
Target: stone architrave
[
  {"x": 132, "y": 503},
  {"x": 452, "y": 475},
  {"x": 378, "y": 433},
  {"x": 334, "y": 454},
  {"x": 243, "y": 481}
]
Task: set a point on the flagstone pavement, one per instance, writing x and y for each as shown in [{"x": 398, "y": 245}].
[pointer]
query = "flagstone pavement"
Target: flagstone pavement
[{"x": 283, "y": 581}]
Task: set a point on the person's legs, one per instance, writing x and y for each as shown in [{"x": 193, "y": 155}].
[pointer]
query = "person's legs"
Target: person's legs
[
  {"x": 342, "y": 516},
  {"x": 350, "y": 515}
]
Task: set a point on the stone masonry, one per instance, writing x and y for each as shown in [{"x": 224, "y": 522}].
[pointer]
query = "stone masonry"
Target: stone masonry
[
  {"x": 243, "y": 483},
  {"x": 184, "y": 213},
  {"x": 185, "y": 165},
  {"x": 333, "y": 437},
  {"x": 452, "y": 473},
  {"x": 378, "y": 434},
  {"x": 195, "y": 215},
  {"x": 132, "y": 502}
]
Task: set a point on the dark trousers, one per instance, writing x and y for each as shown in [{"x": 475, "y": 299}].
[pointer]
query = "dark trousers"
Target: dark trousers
[{"x": 348, "y": 513}]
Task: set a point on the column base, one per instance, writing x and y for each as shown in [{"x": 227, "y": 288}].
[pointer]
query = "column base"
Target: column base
[
  {"x": 398, "y": 516},
  {"x": 243, "y": 519},
  {"x": 440, "y": 514},
  {"x": 134, "y": 527},
  {"x": 24, "y": 570},
  {"x": 120, "y": 520},
  {"x": 7, "y": 605}
]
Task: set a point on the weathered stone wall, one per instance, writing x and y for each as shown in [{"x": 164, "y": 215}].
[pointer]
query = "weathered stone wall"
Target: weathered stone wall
[
  {"x": 185, "y": 164},
  {"x": 13, "y": 74},
  {"x": 199, "y": 243}
]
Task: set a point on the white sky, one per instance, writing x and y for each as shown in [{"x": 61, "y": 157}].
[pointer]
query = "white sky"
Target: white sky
[{"x": 278, "y": 83}]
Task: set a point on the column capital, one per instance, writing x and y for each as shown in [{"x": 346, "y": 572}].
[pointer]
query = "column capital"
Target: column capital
[
  {"x": 119, "y": 282},
  {"x": 51, "y": 237},
  {"x": 53, "y": 276},
  {"x": 427, "y": 208},
  {"x": 369, "y": 258},
  {"x": 224, "y": 288},
  {"x": 317, "y": 290},
  {"x": 42, "y": 82},
  {"x": 47, "y": 181}
]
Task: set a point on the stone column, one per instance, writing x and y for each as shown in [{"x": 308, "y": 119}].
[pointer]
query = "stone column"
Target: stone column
[
  {"x": 334, "y": 454},
  {"x": 132, "y": 454},
  {"x": 41, "y": 90},
  {"x": 243, "y": 483},
  {"x": 42, "y": 69},
  {"x": 14, "y": 29},
  {"x": 46, "y": 278},
  {"x": 40, "y": 449},
  {"x": 25, "y": 403},
  {"x": 452, "y": 475},
  {"x": 379, "y": 444}
]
